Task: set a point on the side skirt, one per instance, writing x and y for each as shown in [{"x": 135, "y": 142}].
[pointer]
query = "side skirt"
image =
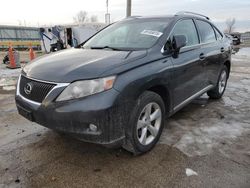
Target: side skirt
[{"x": 190, "y": 99}]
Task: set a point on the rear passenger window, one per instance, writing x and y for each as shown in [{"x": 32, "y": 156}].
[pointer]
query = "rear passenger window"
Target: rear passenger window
[
  {"x": 206, "y": 32},
  {"x": 187, "y": 28}
]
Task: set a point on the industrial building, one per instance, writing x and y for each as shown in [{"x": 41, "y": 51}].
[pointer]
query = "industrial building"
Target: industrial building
[
  {"x": 245, "y": 37},
  {"x": 19, "y": 37}
]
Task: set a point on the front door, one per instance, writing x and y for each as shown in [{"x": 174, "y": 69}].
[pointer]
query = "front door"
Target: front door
[{"x": 188, "y": 75}]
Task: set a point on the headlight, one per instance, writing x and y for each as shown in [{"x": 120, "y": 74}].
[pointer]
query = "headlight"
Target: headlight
[{"x": 85, "y": 88}]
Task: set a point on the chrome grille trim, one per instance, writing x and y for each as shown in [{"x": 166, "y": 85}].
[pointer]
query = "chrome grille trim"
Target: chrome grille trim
[{"x": 57, "y": 85}]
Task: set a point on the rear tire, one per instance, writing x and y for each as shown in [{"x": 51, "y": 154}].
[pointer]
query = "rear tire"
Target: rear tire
[
  {"x": 220, "y": 88},
  {"x": 146, "y": 123}
]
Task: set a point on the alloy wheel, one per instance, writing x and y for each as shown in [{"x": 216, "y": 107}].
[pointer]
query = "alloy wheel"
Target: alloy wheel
[
  {"x": 222, "y": 81},
  {"x": 149, "y": 123}
]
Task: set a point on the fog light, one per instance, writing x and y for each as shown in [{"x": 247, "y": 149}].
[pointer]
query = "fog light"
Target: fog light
[{"x": 92, "y": 127}]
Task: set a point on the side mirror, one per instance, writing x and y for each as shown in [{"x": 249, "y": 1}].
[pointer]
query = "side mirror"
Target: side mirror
[
  {"x": 173, "y": 46},
  {"x": 178, "y": 42}
]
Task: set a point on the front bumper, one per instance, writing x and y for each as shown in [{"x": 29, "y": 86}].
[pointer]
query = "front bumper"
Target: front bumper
[{"x": 104, "y": 110}]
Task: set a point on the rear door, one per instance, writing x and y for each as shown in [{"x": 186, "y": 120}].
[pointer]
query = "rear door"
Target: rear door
[
  {"x": 188, "y": 76},
  {"x": 212, "y": 49}
]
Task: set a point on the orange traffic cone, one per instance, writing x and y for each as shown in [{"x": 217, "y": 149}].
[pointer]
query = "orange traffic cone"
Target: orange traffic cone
[
  {"x": 12, "y": 64},
  {"x": 31, "y": 53}
]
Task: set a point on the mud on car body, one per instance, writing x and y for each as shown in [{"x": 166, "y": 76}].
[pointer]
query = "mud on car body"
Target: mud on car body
[{"x": 118, "y": 87}]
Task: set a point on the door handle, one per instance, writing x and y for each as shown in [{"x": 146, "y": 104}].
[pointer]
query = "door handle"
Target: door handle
[
  {"x": 222, "y": 50},
  {"x": 165, "y": 61},
  {"x": 202, "y": 56}
]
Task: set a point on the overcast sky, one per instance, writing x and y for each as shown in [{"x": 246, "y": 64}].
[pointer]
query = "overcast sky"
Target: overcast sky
[{"x": 49, "y": 12}]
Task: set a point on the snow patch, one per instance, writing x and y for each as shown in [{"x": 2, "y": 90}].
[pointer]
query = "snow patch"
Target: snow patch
[
  {"x": 190, "y": 172},
  {"x": 9, "y": 88},
  {"x": 229, "y": 102},
  {"x": 201, "y": 140},
  {"x": 7, "y": 82},
  {"x": 6, "y": 73}
]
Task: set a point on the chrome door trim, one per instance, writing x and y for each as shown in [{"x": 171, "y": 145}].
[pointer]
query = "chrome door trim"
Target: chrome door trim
[{"x": 188, "y": 100}]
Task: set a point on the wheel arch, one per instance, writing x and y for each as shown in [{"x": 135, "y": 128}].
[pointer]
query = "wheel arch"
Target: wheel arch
[
  {"x": 129, "y": 93},
  {"x": 164, "y": 94}
]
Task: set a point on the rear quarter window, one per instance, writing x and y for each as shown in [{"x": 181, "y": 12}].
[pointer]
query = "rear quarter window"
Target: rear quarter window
[{"x": 218, "y": 34}]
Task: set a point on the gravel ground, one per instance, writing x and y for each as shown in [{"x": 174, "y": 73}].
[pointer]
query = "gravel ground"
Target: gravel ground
[{"x": 206, "y": 144}]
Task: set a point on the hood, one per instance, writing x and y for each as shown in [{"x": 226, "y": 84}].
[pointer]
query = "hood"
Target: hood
[{"x": 78, "y": 64}]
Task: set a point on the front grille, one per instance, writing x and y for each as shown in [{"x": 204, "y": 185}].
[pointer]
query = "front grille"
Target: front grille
[{"x": 39, "y": 90}]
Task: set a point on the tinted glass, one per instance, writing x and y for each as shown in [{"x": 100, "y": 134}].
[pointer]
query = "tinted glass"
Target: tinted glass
[
  {"x": 187, "y": 28},
  {"x": 133, "y": 34},
  {"x": 206, "y": 32},
  {"x": 218, "y": 34}
]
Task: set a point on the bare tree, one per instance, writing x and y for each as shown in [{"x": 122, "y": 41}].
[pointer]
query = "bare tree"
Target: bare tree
[
  {"x": 230, "y": 24},
  {"x": 93, "y": 18},
  {"x": 81, "y": 17}
]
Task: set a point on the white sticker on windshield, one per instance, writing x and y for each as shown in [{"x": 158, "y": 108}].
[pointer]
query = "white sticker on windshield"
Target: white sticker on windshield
[{"x": 152, "y": 33}]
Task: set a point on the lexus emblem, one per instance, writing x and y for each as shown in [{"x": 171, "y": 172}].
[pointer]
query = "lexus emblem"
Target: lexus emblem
[{"x": 28, "y": 88}]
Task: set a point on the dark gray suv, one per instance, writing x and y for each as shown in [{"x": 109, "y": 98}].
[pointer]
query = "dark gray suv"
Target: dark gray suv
[{"x": 118, "y": 87}]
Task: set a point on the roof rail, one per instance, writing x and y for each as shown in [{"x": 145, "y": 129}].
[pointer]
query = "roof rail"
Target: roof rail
[
  {"x": 193, "y": 13},
  {"x": 132, "y": 17}
]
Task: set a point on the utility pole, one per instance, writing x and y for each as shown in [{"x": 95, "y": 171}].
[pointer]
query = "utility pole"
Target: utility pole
[
  {"x": 107, "y": 5},
  {"x": 107, "y": 15},
  {"x": 128, "y": 8}
]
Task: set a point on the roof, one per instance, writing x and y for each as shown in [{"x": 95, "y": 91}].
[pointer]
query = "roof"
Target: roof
[
  {"x": 183, "y": 14},
  {"x": 150, "y": 17}
]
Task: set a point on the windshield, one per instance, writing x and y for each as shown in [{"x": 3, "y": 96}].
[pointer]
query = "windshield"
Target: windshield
[{"x": 131, "y": 35}]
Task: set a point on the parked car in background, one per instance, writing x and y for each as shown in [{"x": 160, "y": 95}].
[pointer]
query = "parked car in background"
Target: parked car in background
[
  {"x": 236, "y": 38},
  {"x": 118, "y": 87},
  {"x": 230, "y": 39}
]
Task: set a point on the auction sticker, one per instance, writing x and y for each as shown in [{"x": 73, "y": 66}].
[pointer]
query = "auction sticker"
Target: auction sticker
[{"x": 152, "y": 33}]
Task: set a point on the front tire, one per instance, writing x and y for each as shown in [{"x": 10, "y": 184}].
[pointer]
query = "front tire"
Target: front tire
[
  {"x": 146, "y": 123},
  {"x": 220, "y": 88}
]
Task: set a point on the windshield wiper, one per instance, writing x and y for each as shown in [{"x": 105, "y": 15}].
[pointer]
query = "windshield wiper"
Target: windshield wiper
[{"x": 108, "y": 47}]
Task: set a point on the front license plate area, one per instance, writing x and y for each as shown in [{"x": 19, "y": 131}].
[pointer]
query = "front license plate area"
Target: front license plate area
[{"x": 25, "y": 113}]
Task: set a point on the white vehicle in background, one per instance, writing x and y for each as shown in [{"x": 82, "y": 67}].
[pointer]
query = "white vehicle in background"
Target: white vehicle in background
[{"x": 61, "y": 37}]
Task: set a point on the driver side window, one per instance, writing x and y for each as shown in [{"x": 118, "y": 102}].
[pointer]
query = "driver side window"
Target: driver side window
[{"x": 188, "y": 29}]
